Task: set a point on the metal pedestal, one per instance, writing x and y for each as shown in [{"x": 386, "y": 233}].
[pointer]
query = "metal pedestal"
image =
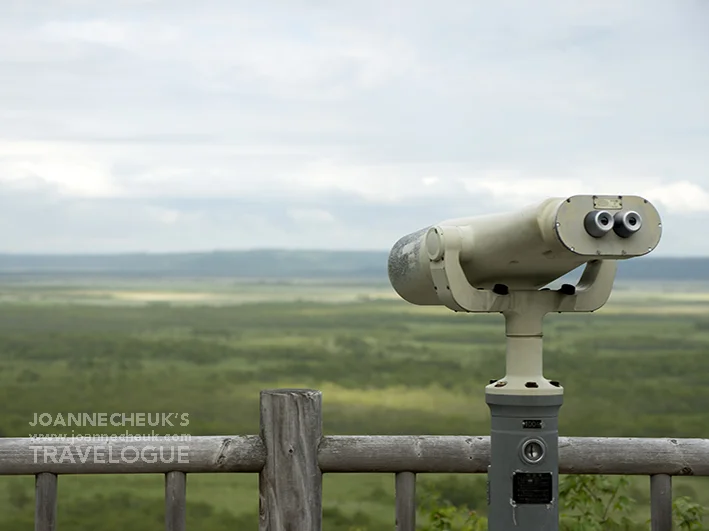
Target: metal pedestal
[{"x": 523, "y": 477}]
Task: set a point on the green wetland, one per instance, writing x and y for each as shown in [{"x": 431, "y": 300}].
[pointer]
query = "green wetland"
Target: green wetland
[{"x": 639, "y": 367}]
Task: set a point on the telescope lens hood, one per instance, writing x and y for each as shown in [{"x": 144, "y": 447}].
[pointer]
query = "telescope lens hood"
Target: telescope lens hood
[
  {"x": 627, "y": 223},
  {"x": 598, "y": 223}
]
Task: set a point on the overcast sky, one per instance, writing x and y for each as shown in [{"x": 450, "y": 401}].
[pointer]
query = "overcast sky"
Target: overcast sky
[{"x": 140, "y": 125}]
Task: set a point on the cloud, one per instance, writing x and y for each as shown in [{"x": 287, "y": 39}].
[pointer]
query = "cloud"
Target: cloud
[
  {"x": 681, "y": 197},
  {"x": 159, "y": 125},
  {"x": 92, "y": 31},
  {"x": 73, "y": 169},
  {"x": 311, "y": 215}
]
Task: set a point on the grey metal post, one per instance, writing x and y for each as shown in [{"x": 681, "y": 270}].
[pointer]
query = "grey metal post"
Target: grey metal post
[
  {"x": 523, "y": 494},
  {"x": 523, "y": 476},
  {"x": 290, "y": 484}
]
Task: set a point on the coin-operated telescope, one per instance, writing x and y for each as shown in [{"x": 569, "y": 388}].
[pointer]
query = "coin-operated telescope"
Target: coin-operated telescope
[{"x": 501, "y": 264}]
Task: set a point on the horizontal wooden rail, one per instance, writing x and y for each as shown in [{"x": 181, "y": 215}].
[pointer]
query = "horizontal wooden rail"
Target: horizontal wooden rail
[
  {"x": 22, "y": 456},
  {"x": 455, "y": 454},
  {"x": 351, "y": 454}
]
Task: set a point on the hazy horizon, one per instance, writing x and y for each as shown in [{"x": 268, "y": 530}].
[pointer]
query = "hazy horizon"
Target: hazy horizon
[{"x": 280, "y": 249}]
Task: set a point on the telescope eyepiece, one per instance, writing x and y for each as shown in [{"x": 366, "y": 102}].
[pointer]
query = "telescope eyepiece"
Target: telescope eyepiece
[
  {"x": 627, "y": 223},
  {"x": 598, "y": 223}
]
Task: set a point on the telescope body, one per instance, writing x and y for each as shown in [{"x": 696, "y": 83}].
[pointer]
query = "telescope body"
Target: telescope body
[{"x": 529, "y": 248}]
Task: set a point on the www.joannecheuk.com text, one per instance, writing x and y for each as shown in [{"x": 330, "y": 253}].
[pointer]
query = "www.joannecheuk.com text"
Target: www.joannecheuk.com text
[
  {"x": 110, "y": 419},
  {"x": 83, "y": 438}
]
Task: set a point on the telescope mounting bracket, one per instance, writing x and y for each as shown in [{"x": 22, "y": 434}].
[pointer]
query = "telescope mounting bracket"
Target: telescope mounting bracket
[{"x": 524, "y": 310}]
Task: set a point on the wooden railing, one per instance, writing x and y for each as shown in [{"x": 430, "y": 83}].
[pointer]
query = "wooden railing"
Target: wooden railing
[{"x": 290, "y": 455}]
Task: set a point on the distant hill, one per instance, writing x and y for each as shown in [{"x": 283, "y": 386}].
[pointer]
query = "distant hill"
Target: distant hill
[
  {"x": 266, "y": 264},
  {"x": 276, "y": 264}
]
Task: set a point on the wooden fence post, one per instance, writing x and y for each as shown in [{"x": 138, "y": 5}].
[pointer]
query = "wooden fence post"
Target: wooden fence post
[
  {"x": 290, "y": 484},
  {"x": 661, "y": 502},
  {"x": 405, "y": 501},
  {"x": 45, "y": 512},
  {"x": 175, "y": 501}
]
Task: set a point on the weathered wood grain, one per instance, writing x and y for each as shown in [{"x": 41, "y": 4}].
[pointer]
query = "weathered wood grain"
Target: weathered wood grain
[
  {"x": 399, "y": 453},
  {"x": 25, "y": 456},
  {"x": 417, "y": 454},
  {"x": 460, "y": 454},
  {"x": 290, "y": 484}
]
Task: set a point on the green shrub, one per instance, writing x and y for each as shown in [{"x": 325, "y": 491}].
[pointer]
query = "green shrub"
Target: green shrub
[{"x": 588, "y": 503}]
